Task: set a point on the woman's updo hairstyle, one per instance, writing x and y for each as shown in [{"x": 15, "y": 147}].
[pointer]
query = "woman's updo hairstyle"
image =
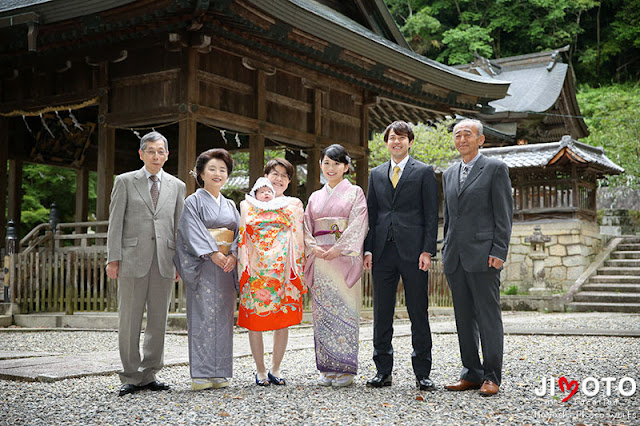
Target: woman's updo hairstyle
[
  {"x": 206, "y": 156},
  {"x": 336, "y": 152}
]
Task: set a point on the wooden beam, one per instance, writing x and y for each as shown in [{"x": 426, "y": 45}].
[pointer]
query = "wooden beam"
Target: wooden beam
[
  {"x": 82, "y": 196},
  {"x": 224, "y": 82},
  {"x": 14, "y": 208},
  {"x": 187, "y": 128},
  {"x": 289, "y": 102},
  {"x": 4, "y": 158},
  {"x": 106, "y": 153},
  {"x": 145, "y": 117},
  {"x": 341, "y": 118},
  {"x": 48, "y": 101},
  {"x": 312, "y": 78},
  {"x": 148, "y": 78}
]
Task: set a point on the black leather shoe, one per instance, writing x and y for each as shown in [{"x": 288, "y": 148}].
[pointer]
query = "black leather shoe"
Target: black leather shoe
[
  {"x": 425, "y": 383},
  {"x": 379, "y": 381},
  {"x": 157, "y": 386},
  {"x": 128, "y": 388}
]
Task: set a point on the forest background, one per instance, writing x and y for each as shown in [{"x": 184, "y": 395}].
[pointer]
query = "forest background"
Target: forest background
[{"x": 604, "y": 51}]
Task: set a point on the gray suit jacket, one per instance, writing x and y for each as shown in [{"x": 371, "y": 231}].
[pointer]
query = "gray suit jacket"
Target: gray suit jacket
[
  {"x": 137, "y": 230},
  {"x": 477, "y": 216}
]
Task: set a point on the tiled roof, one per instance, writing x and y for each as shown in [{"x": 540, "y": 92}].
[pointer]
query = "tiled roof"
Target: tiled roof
[
  {"x": 532, "y": 89},
  {"x": 541, "y": 154},
  {"x": 16, "y": 4}
]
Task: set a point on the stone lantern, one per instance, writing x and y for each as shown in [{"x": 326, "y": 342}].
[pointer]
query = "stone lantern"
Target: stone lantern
[{"x": 538, "y": 255}]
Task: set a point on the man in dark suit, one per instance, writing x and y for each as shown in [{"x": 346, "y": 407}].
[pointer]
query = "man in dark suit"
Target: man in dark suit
[
  {"x": 145, "y": 208},
  {"x": 403, "y": 224},
  {"x": 478, "y": 213}
]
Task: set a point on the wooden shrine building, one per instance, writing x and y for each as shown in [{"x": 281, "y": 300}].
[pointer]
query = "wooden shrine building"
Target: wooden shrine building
[
  {"x": 78, "y": 77},
  {"x": 540, "y": 105}
]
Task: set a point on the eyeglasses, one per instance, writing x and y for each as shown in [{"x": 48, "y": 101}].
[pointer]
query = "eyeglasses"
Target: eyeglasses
[
  {"x": 152, "y": 153},
  {"x": 281, "y": 176}
]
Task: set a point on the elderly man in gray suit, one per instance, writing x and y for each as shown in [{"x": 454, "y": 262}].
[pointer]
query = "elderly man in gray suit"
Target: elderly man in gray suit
[
  {"x": 145, "y": 208},
  {"x": 478, "y": 213}
]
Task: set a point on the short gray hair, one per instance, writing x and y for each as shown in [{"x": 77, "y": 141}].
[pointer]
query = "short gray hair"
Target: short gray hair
[
  {"x": 475, "y": 123},
  {"x": 153, "y": 137}
]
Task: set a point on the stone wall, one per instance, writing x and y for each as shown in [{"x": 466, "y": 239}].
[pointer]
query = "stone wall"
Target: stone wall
[{"x": 572, "y": 247}]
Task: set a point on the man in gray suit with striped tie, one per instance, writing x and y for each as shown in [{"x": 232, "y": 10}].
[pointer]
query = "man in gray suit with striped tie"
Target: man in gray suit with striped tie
[
  {"x": 145, "y": 208},
  {"x": 478, "y": 213}
]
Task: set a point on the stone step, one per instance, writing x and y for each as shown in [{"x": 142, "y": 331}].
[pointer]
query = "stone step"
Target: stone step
[
  {"x": 623, "y": 279},
  {"x": 6, "y": 320},
  {"x": 611, "y": 287},
  {"x": 626, "y": 246},
  {"x": 631, "y": 240},
  {"x": 631, "y": 254},
  {"x": 603, "y": 307},
  {"x": 611, "y": 270},
  {"x": 606, "y": 297},
  {"x": 623, "y": 263}
]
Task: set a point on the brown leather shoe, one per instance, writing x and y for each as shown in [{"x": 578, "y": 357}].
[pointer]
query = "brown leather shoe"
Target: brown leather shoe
[
  {"x": 489, "y": 388},
  {"x": 462, "y": 385}
]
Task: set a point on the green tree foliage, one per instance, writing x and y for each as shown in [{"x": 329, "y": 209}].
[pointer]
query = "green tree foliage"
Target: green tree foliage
[
  {"x": 433, "y": 145},
  {"x": 612, "y": 116},
  {"x": 604, "y": 35},
  {"x": 43, "y": 185}
]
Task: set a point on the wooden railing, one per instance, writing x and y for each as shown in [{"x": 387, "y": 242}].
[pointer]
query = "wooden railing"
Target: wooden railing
[{"x": 64, "y": 272}]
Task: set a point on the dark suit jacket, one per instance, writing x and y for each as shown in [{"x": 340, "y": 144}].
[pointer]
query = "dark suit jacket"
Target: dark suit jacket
[
  {"x": 410, "y": 211},
  {"x": 137, "y": 230},
  {"x": 478, "y": 216}
]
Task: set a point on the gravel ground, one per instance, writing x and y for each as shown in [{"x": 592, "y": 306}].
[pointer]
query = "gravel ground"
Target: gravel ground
[{"x": 94, "y": 400}]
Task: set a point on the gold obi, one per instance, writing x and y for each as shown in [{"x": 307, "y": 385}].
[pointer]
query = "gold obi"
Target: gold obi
[{"x": 224, "y": 239}]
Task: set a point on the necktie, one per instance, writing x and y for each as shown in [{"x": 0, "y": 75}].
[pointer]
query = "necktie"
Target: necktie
[
  {"x": 464, "y": 174},
  {"x": 396, "y": 176},
  {"x": 155, "y": 191}
]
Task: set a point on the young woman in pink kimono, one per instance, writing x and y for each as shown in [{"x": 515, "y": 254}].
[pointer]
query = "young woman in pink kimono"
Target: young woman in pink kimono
[
  {"x": 270, "y": 266},
  {"x": 336, "y": 224}
]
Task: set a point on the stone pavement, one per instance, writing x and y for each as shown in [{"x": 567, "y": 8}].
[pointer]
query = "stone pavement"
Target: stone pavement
[{"x": 52, "y": 366}]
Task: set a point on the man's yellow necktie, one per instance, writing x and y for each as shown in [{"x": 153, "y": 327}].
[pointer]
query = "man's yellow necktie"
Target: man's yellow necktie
[{"x": 396, "y": 176}]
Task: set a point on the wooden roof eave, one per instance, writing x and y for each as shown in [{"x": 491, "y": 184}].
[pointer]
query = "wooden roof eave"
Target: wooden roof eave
[
  {"x": 391, "y": 25},
  {"x": 391, "y": 55}
]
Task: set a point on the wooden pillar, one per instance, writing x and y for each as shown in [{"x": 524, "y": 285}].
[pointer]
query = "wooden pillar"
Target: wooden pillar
[
  {"x": 313, "y": 158},
  {"x": 256, "y": 142},
  {"x": 187, "y": 129},
  {"x": 15, "y": 192},
  {"x": 256, "y": 158},
  {"x": 82, "y": 196},
  {"x": 362, "y": 164},
  {"x": 106, "y": 150},
  {"x": 4, "y": 157},
  {"x": 292, "y": 191},
  {"x": 313, "y": 170}
]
